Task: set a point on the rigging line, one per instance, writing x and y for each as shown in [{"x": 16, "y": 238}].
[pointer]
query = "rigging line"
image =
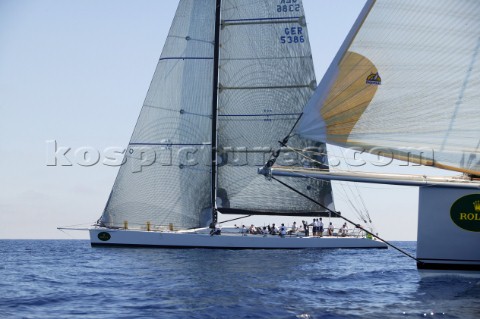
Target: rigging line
[
  {"x": 294, "y": 126},
  {"x": 358, "y": 191},
  {"x": 276, "y": 154},
  {"x": 66, "y": 233},
  {"x": 76, "y": 225},
  {"x": 357, "y": 206},
  {"x": 460, "y": 98},
  {"x": 473, "y": 156},
  {"x": 234, "y": 219},
  {"x": 347, "y": 186},
  {"x": 303, "y": 155},
  {"x": 353, "y": 206},
  {"x": 313, "y": 160},
  {"x": 344, "y": 218}
]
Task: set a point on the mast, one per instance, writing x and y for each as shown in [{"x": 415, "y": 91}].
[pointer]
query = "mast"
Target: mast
[{"x": 214, "y": 108}]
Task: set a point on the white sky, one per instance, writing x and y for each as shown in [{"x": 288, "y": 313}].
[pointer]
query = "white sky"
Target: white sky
[{"x": 78, "y": 71}]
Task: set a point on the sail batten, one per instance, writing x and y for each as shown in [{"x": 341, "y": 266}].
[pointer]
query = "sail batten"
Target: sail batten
[
  {"x": 293, "y": 86},
  {"x": 266, "y": 19},
  {"x": 424, "y": 56},
  {"x": 260, "y": 21},
  {"x": 186, "y": 58}
]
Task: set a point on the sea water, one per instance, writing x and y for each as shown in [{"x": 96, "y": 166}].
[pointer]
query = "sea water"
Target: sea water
[{"x": 69, "y": 279}]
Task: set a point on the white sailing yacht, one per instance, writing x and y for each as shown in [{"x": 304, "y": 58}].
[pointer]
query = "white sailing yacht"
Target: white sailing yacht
[
  {"x": 232, "y": 79},
  {"x": 406, "y": 84}
]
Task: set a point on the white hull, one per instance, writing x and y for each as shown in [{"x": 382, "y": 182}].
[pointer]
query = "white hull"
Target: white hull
[
  {"x": 443, "y": 244},
  {"x": 137, "y": 238}
]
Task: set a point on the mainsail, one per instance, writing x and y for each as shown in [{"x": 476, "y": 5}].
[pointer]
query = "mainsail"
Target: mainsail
[
  {"x": 406, "y": 82},
  {"x": 265, "y": 77}
]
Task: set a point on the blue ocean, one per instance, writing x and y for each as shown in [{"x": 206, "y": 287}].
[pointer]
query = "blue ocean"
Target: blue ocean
[{"x": 70, "y": 279}]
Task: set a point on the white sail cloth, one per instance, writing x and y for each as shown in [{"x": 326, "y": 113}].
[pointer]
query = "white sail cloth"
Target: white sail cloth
[
  {"x": 407, "y": 82},
  {"x": 167, "y": 177},
  {"x": 266, "y": 76}
]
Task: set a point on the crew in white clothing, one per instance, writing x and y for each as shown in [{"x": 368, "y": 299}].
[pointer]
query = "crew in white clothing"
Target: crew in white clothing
[
  {"x": 283, "y": 230},
  {"x": 265, "y": 231},
  {"x": 274, "y": 230},
  {"x": 294, "y": 228},
  {"x": 320, "y": 228},
  {"x": 314, "y": 227},
  {"x": 330, "y": 229}
]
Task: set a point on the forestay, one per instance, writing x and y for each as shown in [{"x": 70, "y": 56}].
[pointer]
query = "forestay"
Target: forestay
[{"x": 406, "y": 80}]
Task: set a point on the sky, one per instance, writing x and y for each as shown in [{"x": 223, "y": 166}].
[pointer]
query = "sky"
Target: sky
[{"x": 76, "y": 72}]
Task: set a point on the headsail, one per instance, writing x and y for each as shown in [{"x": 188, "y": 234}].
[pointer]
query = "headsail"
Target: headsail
[
  {"x": 406, "y": 81},
  {"x": 266, "y": 76},
  {"x": 171, "y": 141}
]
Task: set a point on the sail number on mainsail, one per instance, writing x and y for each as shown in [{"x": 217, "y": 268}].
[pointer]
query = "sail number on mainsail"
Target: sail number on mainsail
[
  {"x": 293, "y": 35},
  {"x": 288, "y": 6}
]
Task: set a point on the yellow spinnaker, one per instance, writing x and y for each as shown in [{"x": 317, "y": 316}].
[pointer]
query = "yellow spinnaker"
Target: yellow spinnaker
[{"x": 349, "y": 97}]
